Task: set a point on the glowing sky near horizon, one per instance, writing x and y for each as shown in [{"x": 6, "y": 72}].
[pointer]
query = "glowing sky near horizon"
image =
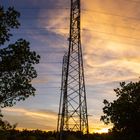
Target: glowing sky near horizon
[{"x": 111, "y": 44}]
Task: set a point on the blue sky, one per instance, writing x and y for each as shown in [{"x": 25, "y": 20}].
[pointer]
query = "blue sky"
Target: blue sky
[{"x": 110, "y": 41}]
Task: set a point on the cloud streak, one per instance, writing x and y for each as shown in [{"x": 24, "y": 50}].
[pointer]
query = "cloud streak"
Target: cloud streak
[
  {"x": 110, "y": 40},
  {"x": 31, "y": 119},
  {"x": 110, "y": 46}
]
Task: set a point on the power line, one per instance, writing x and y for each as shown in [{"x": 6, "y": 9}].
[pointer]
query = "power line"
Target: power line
[
  {"x": 100, "y": 23},
  {"x": 112, "y": 34},
  {"x": 42, "y": 18},
  {"x": 101, "y": 12},
  {"x": 87, "y": 10},
  {"x": 50, "y": 74},
  {"x": 115, "y": 25},
  {"x": 65, "y": 28},
  {"x": 84, "y": 29},
  {"x": 49, "y": 62},
  {"x": 43, "y": 8},
  {"x": 135, "y": 1},
  {"x": 50, "y": 52},
  {"x": 46, "y": 87},
  {"x": 42, "y": 28},
  {"x": 123, "y": 42},
  {"x": 60, "y": 7}
]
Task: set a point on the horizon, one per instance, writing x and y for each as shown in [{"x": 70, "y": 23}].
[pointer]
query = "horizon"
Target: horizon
[{"x": 110, "y": 46}]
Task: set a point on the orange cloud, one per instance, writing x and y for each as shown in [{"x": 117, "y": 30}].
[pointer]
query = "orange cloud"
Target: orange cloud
[
  {"x": 31, "y": 119},
  {"x": 43, "y": 119},
  {"x": 110, "y": 41},
  {"x": 107, "y": 38}
]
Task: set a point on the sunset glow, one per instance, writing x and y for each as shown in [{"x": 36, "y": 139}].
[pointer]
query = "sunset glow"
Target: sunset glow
[
  {"x": 103, "y": 130},
  {"x": 110, "y": 42}
]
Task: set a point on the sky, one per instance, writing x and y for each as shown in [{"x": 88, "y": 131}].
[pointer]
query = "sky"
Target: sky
[{"x": 110, "y": 33}]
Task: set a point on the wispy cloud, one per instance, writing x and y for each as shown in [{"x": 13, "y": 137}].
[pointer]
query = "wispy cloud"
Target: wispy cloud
[
  {"x": 104, "y": 56},
  {"x": 110, "y": 41},
  {"x": 42, "y": 119},
  {"x": 31, "y": 119}
]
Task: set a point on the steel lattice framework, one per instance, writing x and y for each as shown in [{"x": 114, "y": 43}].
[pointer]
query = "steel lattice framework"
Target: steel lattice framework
[{"x": 73, "y": 107}]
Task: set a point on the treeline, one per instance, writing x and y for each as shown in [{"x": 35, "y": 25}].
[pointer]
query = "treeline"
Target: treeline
[
  {"x": 52, "y": 135},
  {"x": 17, "y": 70}
]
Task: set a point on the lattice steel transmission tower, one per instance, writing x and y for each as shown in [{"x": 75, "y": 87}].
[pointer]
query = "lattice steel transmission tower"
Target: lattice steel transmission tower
[{"x": 73, "y": 106}]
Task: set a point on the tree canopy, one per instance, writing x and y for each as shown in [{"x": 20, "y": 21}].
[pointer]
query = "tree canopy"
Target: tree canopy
[
  {"x": 16, "y": 62},
  {"x": 8, "y": 21},
  {"x": 124, "y": 112}
]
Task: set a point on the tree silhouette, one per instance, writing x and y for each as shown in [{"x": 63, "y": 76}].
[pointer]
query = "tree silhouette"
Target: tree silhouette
[
  {"x": 124, "y": 112},
  {"x": 16, "y": 62}
]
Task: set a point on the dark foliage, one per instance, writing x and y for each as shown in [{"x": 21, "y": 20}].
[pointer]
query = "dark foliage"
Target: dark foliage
[
  {"x": 124, "y": 112},
  {"x": 42, "y": 135},
  {"x": 16, "y": 62},
  {"x": 16, "y": 72},
  {"x": 8, "y": 21}
]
